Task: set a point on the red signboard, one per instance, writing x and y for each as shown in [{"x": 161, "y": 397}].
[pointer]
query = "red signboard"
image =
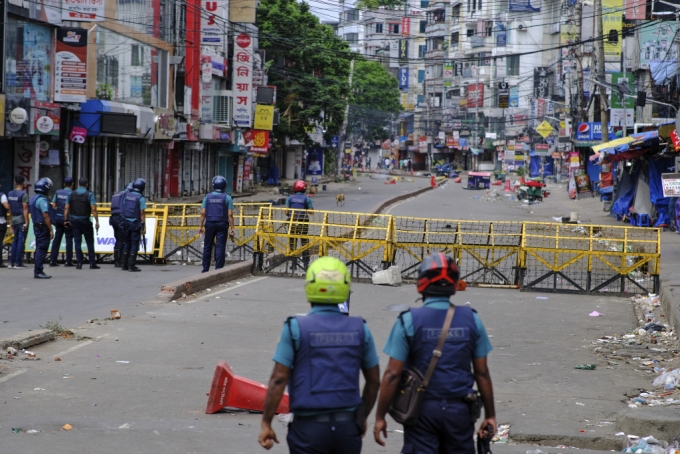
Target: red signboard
[
  {"x": 405, "y": 26},
  {"x": 451, "y": 142},
  {"x": 257, "y": 140},
  {"x": 542, "y": 146},
  {"x": 475, "y": 95}
]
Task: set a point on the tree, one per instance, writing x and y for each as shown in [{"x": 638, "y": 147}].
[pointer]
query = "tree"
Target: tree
[
  {"x": 375, "y": 4},
  {"x": 375, "y": 100},
  {"x": 308, "y": 64}
]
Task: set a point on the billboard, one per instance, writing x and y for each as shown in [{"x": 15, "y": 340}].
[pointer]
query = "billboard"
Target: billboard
[
  {"x": 83, "y": 10},
  {"x": 475, "y": 95},
  {"x": 529, "y": 6},
  {"x": 403, "y": 78},
  {"x": 657, "y": 52},
  {"x": 70, "y": 65},
  {"x": 242, "y": 80},
  {"x": 635, "y": 9},
  {"x": 212, "y": 33},
  {"x": 612, "y": 25}
]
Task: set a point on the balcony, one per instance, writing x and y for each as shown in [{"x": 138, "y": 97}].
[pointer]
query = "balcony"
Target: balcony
[
  {"x": 436, "y": 29},
  {"x": 477, "y": 44},
  {"x": 436, "y": 53},
  {"x": 476, "y": 41},
  {"x": 474, "y": 16}
]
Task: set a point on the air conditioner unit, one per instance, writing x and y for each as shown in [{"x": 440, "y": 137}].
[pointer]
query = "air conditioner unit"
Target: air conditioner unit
[{"x": 222, "y": 107}]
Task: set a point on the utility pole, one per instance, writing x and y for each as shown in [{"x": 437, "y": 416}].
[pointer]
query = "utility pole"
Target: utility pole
[
  {"x": 428, "y": 128},
  {"x": 600, "y": 70},
  {"x": 343, "y": 131}
]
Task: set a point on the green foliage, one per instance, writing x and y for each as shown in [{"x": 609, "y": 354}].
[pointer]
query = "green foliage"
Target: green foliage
[
  {"x": 104, "y": 92},
  {"x": 375, "y": 100},
  {"x": 310, "y": 69},
  {"x": 375, "y": 4}
]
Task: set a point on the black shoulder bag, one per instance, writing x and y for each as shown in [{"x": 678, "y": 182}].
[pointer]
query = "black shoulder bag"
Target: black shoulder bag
[{"x": 407, "y": 401}]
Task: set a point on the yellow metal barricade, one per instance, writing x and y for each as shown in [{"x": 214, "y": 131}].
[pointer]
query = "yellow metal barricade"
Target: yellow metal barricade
[
  {"x": 361, "y": 240},
  {"x": 590, "y": 258},
  {"x": 487, "y": 251}
]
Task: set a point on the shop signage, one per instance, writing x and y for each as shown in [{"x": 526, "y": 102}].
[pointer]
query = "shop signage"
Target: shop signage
[
  {"x": 45, "y": 118},
  {"x": 18, "y": 116},
  {"x": 258, "y": 141},
  {"x": 264, "y": 117},
  {"x": 503, "y": 95},
  {"x": 591, "y": 131},
  {"x": 118, "y": 123},
  {"x": 83, "y": 10},
  {"x": 671, "y": 184},
  {"x": 242, "y": 80},
  {"x": 211, "y": 30},
  {"x": 70, "y": 62},
  {"x": 78, "y": 134}
]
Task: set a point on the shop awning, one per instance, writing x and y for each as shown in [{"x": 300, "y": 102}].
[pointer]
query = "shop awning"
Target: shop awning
[
  {"x": 114, "y": 119},
  {"x": 586, "y": 143},
  {"x": 612, "y": 144}
]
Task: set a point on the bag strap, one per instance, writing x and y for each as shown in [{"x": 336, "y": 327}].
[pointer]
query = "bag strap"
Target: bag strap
[{"x": 437, "y": 352}]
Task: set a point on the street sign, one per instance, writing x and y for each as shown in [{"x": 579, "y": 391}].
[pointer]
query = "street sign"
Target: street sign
[
  {"x": 544, "y": 129},
  {"x": 503, "y": 95}
]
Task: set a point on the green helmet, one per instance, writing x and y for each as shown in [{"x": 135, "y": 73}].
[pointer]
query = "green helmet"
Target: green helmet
[{"x": 327, "y": 281}]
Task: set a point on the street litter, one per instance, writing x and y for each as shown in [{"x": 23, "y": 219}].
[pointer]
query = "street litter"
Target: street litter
[
  {"x": 390, "y": 276},
  {"x": 502, "y": 434},
  {"x": 67, "y": 427},
  {"x": 125, "y": 426},
  {"x": 38, "y": 389},
  {"x": 580, "y": 404},
  {"x": 123, "y": 362},
  {"x": 542, "y": 298},
  {"x": 645, "y": 445},
  {"x": 12, "y": 350},
  {"x": 596, "y": 314},
  {"x": 57, "y": 359},
  {"x": 115, "y": 314},
  {"x": 17, "y": 431},
  {"x": 32, "y": 431},
  {"x": 585, "y": 366}
]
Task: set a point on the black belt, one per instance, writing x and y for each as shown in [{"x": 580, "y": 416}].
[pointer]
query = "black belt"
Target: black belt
[{"x": 337, "y": 416}]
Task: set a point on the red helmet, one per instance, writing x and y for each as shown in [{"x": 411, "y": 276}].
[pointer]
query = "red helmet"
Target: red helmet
[
  {"x": 438, "y": 275},
  {"x": 300, "y": 186}
]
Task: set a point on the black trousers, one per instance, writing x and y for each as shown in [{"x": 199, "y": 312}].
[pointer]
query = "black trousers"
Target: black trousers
[
  {"x": 3, "y": 232},
  {"x": 333, "y": 437},
  {"x": 60, "y": 231},
  {"x": 83, "y": 227}
]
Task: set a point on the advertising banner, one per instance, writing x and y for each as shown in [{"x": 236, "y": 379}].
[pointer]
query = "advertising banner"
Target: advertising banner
[
  {"x": 612, "y": 25},
  {"x": 671, "y": 184},
  {"x": 242, "y": 80},
  {"x": 315, "y": 161},
  {"x": 48, "y": 11},
  {"x": 448, "y": 74},
  {"x": 514, "y": 96},
  {"x": 656, "y": 46},
  {"x": 635, "y": 9},
  {"x": 592, "y": 131},
  {"x": 104, "y": 240},
  {"x": 211, "y": 31},
  {"x": 403, "y": 78},
  {"x": 529, "y": 6},
  {"x": 541, "y": 82},
  {"x": 405, "y": 26},
  {"x": 258, "y": 141},
  {"x": 83, "y": 10},
  {"x": 403, "y": 49},
  {"x": 45, "y": 118},
  {"x": 264, "y": 117},
  {"x": 475, "y": 96},
  {"x": 70, "y": 65}
]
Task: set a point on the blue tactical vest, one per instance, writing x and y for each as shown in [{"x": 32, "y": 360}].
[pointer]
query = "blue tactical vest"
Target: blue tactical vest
[
  {"x": 116, "y": 202},
  {"x": 35, "y": 212},
  {"x": 216, "y": 209},
  {"x": 326, "y": 370},
  {"x": 61, "y": 199},
  {"x": 453, "y": 377},
  {"x": 298, "y": 202},
  {"x": 3, "y": 210},
  {"x": 130, "y": 207},
  {"x": 14, "y": 199}
]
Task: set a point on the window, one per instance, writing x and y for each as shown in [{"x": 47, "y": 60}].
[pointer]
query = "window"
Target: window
[
  {"x": 135, "y": 86},
  {"x": 513, "y": 65},
  {"x": 421, "y": 101},
  {"x": 421, "y": 76},
  {"x": 424, "y": 3},
  {"x": 455, "y": 14},
  {"x": 455, "y": 38},
  {"x": 393, "y": 28},
  {"x": 421, "y": 50},
  {"x": 423, "y": 24},
  {"x": 489, "y": 28},
  {"x": 352, "y": 38},
  {"x": 352, "y": 15},
  {"x": 137, "y": 55},
  {"x": 379, "y": 28},
  {"x": 470, "y": 33}
]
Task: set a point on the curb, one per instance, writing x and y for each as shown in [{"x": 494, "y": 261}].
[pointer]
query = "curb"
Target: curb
[
  {"x": 577, "y": 441},
  {"x": 21, "y": 341},
  {"x": 662, "y": 423}
]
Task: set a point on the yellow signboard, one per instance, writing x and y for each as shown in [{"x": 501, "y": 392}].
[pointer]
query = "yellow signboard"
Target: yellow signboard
[
  {"x": 264, "y": 117},
  {"x": 612, "y": 25},
  {"x": 544, "y": 129}
]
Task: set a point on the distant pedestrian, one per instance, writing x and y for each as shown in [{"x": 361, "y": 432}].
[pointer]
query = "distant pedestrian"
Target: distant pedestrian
[
  {"x": 299, "y": 207},
  {"x": 409, "y": 164},
  {"x": 217, "y": 212},
  {"x": 368, "y": 163},
  {"x": 39, "y": 207},
  {"x": 59, "y": 204},
  {"x": 320, "y": 356},
  {"x": 134, "y": 218},
  {"x": 18, "y": 202},
  {"x": 117, "y": 222},
  {"x": 4, "y": 209},
  {"x": 387, "y": 163},
  {"x": 80, "y": 206}
]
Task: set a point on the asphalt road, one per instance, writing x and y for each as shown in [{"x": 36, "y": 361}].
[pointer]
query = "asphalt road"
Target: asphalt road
[{"x": 156, "y": 402}]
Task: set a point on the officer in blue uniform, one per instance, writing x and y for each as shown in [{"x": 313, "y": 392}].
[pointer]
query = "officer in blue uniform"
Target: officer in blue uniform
[
  {"x": 445, "y": 424},
  {"x": 59, "y": 204},
  {"x": 117, "y": 222},
  {"x": 18, "y": 205},
  {"x": 80, "y": 205},
  {"x": 300, "y": 207},
  {"x": 132, "y": 210},
  {"x": 320, "y": 356},
  {"x": 39, "y": 206},
  {"x": 217, "y": 213}
]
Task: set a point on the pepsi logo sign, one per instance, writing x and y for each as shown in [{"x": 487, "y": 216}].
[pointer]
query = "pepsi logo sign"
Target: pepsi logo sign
[{"x": 583, "y": 128}]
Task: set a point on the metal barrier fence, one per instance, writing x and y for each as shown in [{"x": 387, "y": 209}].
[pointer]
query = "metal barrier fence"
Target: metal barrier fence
[{"x": 544, "y": 257}]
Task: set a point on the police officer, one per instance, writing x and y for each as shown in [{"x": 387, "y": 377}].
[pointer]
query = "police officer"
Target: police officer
[
  {"x": 4, "y": 209},
  {"x": 301, "y": 207},
  {"x": 319, "y": 356},
  {"x": 80, "y": 205},
  {"x": 444, "y": 424},
  {"x": 59, "y": 204},
  {"x": 217, "y": 212},
  {"x": 132, "y": 210},
  {"x": 117, "y": 222},
  {"x": 39, "y": 207},
  {"x": 18, "y": 204}
]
